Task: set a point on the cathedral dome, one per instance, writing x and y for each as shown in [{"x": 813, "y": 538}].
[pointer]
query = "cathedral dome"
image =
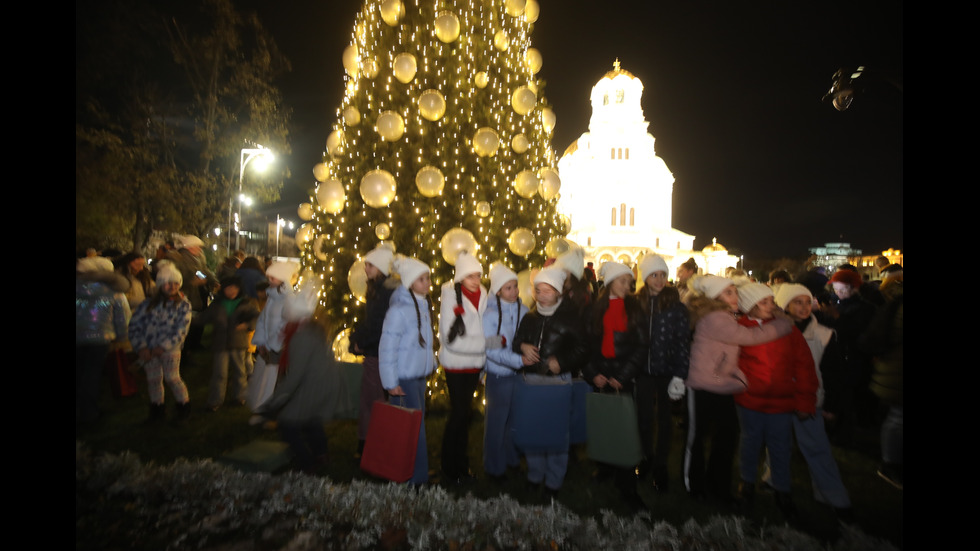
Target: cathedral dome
[{"x": 714, "y": 248}]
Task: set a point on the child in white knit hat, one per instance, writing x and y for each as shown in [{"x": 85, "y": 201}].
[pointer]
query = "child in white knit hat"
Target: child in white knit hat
[
  {"x": 618, "y": 346},
  {"x": 811, "y": 434},
  {"x": 782, "y": 384},
  {"x": 667, "y": 324},
  {"x": 713, "y": 378},
  {"x": 405, "y": 352},
  {"x": 552, "y": 340},
  {"x": 462, "y": 354},
  {"x": 366, "y": 335},
  {"x": 500, "y": 322}
]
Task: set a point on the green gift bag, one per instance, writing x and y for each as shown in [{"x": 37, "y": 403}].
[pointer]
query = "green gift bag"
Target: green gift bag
[
  {"x": 351, "y": 377},
  {"x": 613, "y": 434}
]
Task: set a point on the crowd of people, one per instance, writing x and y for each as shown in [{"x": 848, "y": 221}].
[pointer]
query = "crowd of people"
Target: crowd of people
[{"x": 762, "y": 365}]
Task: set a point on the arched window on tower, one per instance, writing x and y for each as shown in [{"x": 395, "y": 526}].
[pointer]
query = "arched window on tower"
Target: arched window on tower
[
  {"x": 627, "y": 153},
  {"x": 614, "y": 216},
  {"x": 620, "y": 151},
  {"x": 632, "y": 213},
  {"x": 605, "y": 99},
  {"x": 622, "y": 214},
  {"x": 612, "y": 153}
]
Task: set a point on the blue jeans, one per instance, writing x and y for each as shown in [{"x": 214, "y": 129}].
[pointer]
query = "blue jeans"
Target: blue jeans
[
  {"x": 499, "y": 452},
  {"x": 415, "y": 399},
  {"x": 773, "y": 431}
]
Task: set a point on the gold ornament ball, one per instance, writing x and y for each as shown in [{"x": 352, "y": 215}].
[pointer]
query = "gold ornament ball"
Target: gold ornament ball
[
  {"x": 390, "y": 126},
  {"x": 404, "y": 67},
  {"x": 447, "y": 26},
  {"x": 526, "y": 183},
  {"x": 483, "y": 209},
  {"x": 303, "y": 234},
  {"x": 370, "y": 67},
  {"x": 520, "y": 144},
  {"x": 515, "y": 7},
  {"x": 521, "y": 241},
  {"x": 382, "y": 231},
  {"x": 548, "y": 183},
  {"x": 548, "y": 119},
  {"x": 330, "y": 195},
  {"x": 392, "y": 11},
  {"x": 455, "y": 241},
  {"x": 352, "y": 61},
  {"x": 486, "y": 142},
  {"x": 531, "y": 11},
  {"x": 305, "y": 211},
  {"x": 523, "y": 100},
  {"x": 430, "y": 181},
  {"x": 432, "y": 106},
  {"x": 533, "y": 59},
  {"x": 357, "y": 280},
  {"x": 352, "y": 116},
  {"x": 501, "y": 41},
  {"x": 481, "y": 79},
  {"x": 335, "y": 142},
  {"x": 321, "y": 172},
  {"x": 378, "y": 188}
]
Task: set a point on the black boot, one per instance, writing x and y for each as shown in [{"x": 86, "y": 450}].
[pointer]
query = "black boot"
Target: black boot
[
  {"x": 183, "y": 413},
  {"x": 745, "y": 498},
  {"x": 785, "y": 503},
  {"x": 158, "y": 414}
]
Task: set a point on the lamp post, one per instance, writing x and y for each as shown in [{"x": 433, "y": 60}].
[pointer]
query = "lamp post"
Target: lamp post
[
  {"x": 264, "y": 155},
  {"x": 280, "y": 223}
]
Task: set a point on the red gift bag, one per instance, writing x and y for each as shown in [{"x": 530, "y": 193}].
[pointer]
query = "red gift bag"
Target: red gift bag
[
  {"x": 121, "y": 379},
  {"x": 391, "y": 442}
]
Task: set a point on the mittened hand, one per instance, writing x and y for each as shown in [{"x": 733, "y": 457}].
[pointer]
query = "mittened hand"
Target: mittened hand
[{"x": 676, "y": 388}]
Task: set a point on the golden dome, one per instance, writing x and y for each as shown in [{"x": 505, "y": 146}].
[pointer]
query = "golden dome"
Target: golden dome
[
  {"x": 714, "y": 247},
  {"x": 617, "y": 71}
]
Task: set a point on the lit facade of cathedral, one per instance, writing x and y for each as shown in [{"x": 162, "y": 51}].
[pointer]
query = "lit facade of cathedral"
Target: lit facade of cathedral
[{"x": 617, "y": 193}]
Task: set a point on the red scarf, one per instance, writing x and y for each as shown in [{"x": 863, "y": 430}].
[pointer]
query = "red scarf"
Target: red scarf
[
  {"x": 473, "y": 296},
  {"x": 613, "y": 321},
  {"x": 287, "y": 335}
]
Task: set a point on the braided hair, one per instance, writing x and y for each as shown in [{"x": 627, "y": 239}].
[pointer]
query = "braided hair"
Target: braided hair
[
  {"x": 500, "y": 314},
  {"x": 418, "y": 315},
  {"x": 458, "y": 328}
]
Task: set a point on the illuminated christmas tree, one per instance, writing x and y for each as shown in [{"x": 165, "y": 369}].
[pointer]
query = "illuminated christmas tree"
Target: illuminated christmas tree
[{"x": 442, "y": 144}]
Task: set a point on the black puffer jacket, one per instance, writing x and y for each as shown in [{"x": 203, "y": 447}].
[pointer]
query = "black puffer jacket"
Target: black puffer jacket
[
  {"x": 561, "y": 335},
  {"x": 630, "y": 348},
  {"x": 367, "y": 333}
]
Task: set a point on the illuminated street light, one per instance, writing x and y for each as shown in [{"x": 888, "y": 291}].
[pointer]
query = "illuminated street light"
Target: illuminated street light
[
  {"x": 281, "y": 223},
  {"x": 262, "y": 156}
]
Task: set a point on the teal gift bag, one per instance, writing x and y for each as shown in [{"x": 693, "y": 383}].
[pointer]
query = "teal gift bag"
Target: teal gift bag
[{"x": 613, "y": 434}]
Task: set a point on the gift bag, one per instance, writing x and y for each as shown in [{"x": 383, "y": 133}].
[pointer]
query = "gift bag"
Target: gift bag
[
  {"x": 614, "y": 437},
  {"x": 350, "y": 373},
  {"x": 578, "y": 434},
  {"x": 541, "y": 410},
  {"x": 122, "y": 381},
  {"x": 391, "y": 443},
  {"x": 261, "y": 383}
]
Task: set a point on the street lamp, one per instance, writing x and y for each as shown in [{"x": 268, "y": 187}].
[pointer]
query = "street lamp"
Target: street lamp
[
  {"x": 263, "y": 156},
  {"x": 280, "y": 223}
]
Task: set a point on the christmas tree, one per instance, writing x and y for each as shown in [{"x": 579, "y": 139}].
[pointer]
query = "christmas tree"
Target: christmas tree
[{"x": 441, "y": 144}]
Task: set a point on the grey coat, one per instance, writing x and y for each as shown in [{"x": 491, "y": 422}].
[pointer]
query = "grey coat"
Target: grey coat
[{"x": 312, "y": 388}]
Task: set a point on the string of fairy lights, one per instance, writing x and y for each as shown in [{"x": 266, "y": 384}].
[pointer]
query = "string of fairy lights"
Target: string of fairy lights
[{"x": 442, "y": 142}]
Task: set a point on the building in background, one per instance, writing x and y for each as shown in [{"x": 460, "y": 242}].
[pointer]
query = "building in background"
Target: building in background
[{"x": 617, "y": 194}]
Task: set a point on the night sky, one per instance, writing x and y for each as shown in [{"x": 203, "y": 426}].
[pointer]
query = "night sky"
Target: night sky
[{"x": 732, "y": 92}]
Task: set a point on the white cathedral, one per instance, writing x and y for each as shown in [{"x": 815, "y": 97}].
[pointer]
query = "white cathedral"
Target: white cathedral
[{"x": 617, "y": 193}]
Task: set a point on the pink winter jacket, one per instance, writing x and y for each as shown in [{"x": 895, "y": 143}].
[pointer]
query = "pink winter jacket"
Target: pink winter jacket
[{"x": 715, "y": 350}]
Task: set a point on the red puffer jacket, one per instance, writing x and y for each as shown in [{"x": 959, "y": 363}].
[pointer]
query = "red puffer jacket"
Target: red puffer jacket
[{"x": 780, "y": 373}]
